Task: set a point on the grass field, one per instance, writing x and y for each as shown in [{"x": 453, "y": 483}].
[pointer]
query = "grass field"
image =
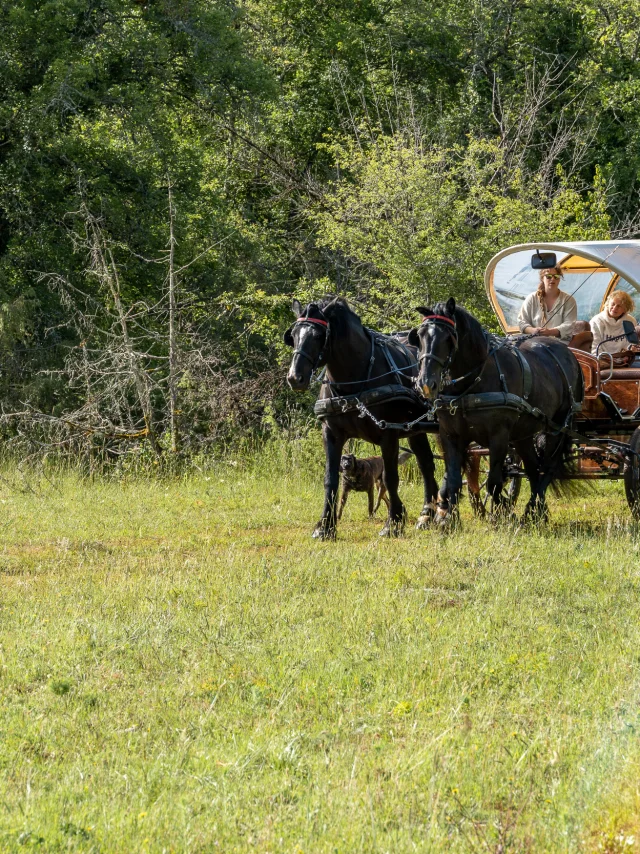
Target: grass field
[{"x": 182, "y": 668}]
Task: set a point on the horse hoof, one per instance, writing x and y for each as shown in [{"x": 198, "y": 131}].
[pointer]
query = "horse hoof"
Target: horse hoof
[
  {"x": 535, "y": 516},
  {"x": 393, "y": 529},
  {"x": 446, "y": 521},
  {"x": 324, "y": 534},
  {"x": 425, "y": 519},
  {"x": 503, "y": 517},
  {"x": 477, "y": 507}
]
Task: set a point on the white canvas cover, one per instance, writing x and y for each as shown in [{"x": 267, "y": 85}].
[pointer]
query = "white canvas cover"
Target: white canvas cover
[{"x": 592, "y": 270}]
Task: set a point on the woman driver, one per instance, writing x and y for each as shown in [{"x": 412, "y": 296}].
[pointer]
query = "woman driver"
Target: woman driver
[
  {"x": 550, "y": 311},
  {"x": 608, "y": 324}
]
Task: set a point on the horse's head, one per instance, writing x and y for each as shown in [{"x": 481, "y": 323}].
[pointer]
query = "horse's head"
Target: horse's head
[
  {"x": 309, "y": 337},
  {"x": 437, "y": 341}
]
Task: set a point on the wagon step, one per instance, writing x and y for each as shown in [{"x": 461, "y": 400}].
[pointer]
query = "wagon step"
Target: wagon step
[{"x": 613, "y": 410}]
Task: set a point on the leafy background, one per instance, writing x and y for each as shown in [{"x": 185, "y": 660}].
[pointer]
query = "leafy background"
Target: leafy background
[{"x": 381, "y": 150}]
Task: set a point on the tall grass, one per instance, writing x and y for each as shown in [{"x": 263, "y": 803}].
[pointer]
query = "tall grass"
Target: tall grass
[{"x": 184, "y": 669}]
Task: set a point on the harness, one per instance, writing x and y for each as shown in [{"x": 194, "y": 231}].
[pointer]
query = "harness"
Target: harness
[
  {"x": 324, "y": 407},
  {"x": 468, "y": 403},
  {"x": 400, "y": 391}
]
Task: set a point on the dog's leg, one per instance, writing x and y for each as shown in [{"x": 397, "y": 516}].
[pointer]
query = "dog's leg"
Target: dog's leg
[
  {"x": 343, "y": 500},
  {"x": 382, "y": 496},
  {"x": 372, "y": 512}
]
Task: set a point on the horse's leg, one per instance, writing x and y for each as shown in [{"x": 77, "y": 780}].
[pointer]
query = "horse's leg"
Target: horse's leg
[
  {"x": 527, "y": 452},
  {"x": 498, "y": 449},
  {"x": 396, "y": 518},
  {"x": 420, "y": 446},
  {"x": 333, "y": 445},
  {"x": 472, "y": 471},
  {"x": 550, "y": 467},
  {"x": 454, "y": 449}
]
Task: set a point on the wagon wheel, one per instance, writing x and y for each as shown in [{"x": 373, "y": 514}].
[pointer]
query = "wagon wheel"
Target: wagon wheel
[
  {"x": 632, "y": 476},
  {"x": 512, "y": 484}
]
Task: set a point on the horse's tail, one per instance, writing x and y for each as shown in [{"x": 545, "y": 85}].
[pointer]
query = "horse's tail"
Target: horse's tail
[{"x": 563, "y": 466}]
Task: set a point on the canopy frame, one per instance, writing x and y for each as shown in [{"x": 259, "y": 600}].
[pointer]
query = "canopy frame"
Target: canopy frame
[{"x": 602, "y": 253}]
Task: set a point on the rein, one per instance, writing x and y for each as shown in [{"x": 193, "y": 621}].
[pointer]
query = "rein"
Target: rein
[
  {"x": 378, "y": 338},
  {"x": 440, "y": 320},
  {"x": 340, "y": 403}
]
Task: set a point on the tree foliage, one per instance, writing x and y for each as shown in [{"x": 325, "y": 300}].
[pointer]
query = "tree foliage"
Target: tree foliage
[{"x": 384, "y": 150}]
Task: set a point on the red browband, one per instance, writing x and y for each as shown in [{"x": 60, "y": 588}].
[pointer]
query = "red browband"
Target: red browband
[
  {"x": 439, "y": 317},
  {"x": 312, "y": 320}
]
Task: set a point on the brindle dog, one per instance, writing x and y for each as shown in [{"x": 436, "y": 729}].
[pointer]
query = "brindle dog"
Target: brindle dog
[{"x": 363, "y": 475}]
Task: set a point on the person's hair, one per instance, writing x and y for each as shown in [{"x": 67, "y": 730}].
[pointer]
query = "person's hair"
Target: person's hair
[
  {"x": 622, "y": 297},
  {"x": 540, "y": 291}
]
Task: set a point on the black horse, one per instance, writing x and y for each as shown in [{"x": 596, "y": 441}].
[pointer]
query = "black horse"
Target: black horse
[
  {"x": 360, "y": 365},
  {"x": 499, "y": 394}
]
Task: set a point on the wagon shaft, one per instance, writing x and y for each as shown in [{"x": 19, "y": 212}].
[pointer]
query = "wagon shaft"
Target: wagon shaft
[{"x": 596, "y": 458}]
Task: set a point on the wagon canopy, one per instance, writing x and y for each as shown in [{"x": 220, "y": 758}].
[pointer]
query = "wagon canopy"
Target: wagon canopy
[{"x": 592, "y": 270}]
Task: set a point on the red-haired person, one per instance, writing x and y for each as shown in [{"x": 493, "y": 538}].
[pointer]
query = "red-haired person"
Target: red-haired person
[{"x": 608, "y": 324}]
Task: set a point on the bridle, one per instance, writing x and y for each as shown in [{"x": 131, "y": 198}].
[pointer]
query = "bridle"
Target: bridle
[
  {"x": 449, "y": 326},
  {"x": 299, "y": 351}
]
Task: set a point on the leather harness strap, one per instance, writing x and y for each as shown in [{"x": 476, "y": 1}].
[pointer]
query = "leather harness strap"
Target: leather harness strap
[
  {"x": 312, "y": 320},
  {"x": 576, "y": 405},
  {"x": 324, "y": 407},
  {"x": 527, "y": 376}
]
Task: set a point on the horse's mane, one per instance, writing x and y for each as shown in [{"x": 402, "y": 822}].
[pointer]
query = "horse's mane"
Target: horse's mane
[
  {"x": 468, "y": 326},
  {"x": 339, "y": 313}
]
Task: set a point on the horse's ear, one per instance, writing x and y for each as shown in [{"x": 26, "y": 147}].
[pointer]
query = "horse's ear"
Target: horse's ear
[
  {"x": 297, "y": 308},
  {"x": 451, "y": 305},
  {"x": 424, "y": 311},
  {"x": 413, "y": 337},
  {"x": 288, "y": 337}
]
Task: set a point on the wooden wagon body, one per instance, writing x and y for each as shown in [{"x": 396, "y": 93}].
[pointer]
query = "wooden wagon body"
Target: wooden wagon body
[{"x": 607, "y": 430}]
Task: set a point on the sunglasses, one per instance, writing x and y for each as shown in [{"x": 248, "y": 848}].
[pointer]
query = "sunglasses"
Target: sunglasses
[{"x": 551, "y": 276}]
